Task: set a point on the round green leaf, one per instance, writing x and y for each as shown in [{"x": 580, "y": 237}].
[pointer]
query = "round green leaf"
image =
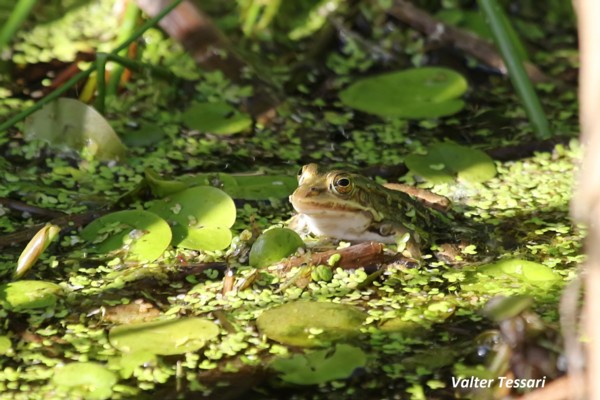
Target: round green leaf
[
  {"x": 310, "y": 324},
  {"x": 523, "y": 270},
  {"x": 193, "y": 210},
  {"x": 415, "y": 93},
  {"x": 445, "y": 161},
  {"x": 274, "y": 245},
  {"x": 176, "y": 336},
  {"x": 320, "y": 366},
  {"x": 85, "y": 380},
  {"x": 218, "y": 118},
  {"x": 69, "y": 124},
  {"x": 25, "y": 295},
  {"x": 145, "y": 235},
  {"x": 209, "y": 238}
]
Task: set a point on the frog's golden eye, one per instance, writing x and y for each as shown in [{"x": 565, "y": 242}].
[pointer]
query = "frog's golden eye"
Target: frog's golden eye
[{"x": 342, "y": 184}]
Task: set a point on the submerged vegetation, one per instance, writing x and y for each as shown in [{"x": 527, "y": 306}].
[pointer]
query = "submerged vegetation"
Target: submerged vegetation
[{"x": 161, "y": 262}]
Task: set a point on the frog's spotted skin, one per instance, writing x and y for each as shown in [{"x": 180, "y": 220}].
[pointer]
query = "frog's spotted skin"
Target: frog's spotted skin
[{"x": 352, "y": 207}]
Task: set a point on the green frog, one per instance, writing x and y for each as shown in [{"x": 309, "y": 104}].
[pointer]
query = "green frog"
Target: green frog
[{"x": 351, "y": 207}]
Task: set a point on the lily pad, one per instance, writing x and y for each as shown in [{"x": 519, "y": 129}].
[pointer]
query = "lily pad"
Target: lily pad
[
  {"x": 176, "y": 336},
  {"x": 446, "y": 161},
  {"x": 523, "y": 270},
  {"x": 310, "y": 324},
  {"x": 415, "y": 93},
  {"x": 217, "y": 118},
  {"x": 320, "y": 366},
  {"x": 511, "y": 276},
  {"x": 193, "y": 211},
  {"x": 162, "y": 187},
  {"x": 143, "y": 234},
  {"x": 85, "y": 380},
  {"x": 68, "y": 124},
  {"x": 27, "y": 295},
  {"x": 274, "y": 245}
]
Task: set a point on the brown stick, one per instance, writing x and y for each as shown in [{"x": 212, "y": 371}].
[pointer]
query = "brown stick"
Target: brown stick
[
  {"x": 66, "y": 221},
  {"x": 459, "y": 38},
  {"x": 20, "y": 206},
  {"x": 356, "y": 256},
  {"x": 211, "y": 50}
]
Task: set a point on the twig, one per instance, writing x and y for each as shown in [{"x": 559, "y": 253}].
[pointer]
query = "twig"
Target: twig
[
  {"x": 20, "y": 206},
  {"x": 359, "y": 255},
  {"x": 459, "y": 38},
  {"x": 211, "y": 50},
  {"x": 66, "y": 221}
]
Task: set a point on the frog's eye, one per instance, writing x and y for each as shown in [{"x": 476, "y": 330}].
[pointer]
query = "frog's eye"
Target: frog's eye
[{"x": 342, "y": 184}]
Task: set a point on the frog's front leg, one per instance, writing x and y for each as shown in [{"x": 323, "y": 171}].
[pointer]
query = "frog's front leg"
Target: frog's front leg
[{"x": 408, "y": 241}]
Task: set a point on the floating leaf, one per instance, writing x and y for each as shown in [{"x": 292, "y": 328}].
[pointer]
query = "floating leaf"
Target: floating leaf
[
  {"x": 68, "y": 124},
  {"x": 176, "y": 336},
  {"x": 195, "y": 209},
  {"x": 206, "y": 238},
  {"x": 309, "y": 324},
  {"x": 445, "y": 161},
  {"x": 523, "y": 270},
  {"x": 218, "y": 118},
  {"x": 320, "y": 366},
  {"x": 26, "y": 295},
  {"x": 415, "y": 93},
  {"x": 34, "y": 249},
  {"x": 85, "y": 380},
  {"x": 162, "y": 187},
  {"x": 274, "y": 245},
  {"x": 143, "y": 234}
]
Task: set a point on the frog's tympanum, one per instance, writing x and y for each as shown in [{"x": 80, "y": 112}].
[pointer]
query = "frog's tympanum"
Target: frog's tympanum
[{"x": 351, "y": 207}]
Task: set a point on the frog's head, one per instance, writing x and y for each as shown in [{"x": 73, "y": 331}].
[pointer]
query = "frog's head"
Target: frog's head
[{"x": 333, "y": 193}]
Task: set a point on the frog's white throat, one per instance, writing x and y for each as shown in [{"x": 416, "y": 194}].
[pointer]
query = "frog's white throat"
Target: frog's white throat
[{"x": 346, "y": 225}]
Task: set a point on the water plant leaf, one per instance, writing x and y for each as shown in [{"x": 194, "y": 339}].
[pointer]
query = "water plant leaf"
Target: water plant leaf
[
  {"x": 523, "y": 270},
  {"x": 192, "y": 210},
  {"x": 209, "y": 238},
  {"x": 218, "y": 118},
  {"x": 68, "y": 124},
  {"x": 274, "y": 245},
  {"x": 511, "y": 276},
  {"x": 310, "y": 324},
  {"x": 144, "y": 235},
  {"x": 27, "y": 295},
  {"x": 176, "y": 336},
  {"x": 444, "y": 162},
  {"x": 243, "y": 187},
  {"x": 417, "y": 93},
  {"x": 85, "y": 380},
  {"x": 162, "y": 187},
  {"x": 320, "y": 366}
]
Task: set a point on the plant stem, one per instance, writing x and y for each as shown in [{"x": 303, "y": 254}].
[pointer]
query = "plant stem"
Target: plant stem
[{"x": 533, "y": 107}]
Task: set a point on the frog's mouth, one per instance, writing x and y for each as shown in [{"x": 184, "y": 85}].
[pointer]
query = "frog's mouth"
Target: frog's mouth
[{"x": 329, "y": 209}]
